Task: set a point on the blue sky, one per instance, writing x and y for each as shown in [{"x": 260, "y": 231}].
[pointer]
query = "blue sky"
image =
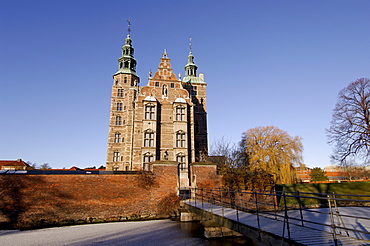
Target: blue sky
[{"x": 278, "y": 63}]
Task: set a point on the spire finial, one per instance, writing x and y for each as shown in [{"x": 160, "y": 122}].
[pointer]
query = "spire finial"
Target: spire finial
[
  {"x": 129, "y": 26},
  {"x": 165, "y": 53},
  {"x": 190, "y": 43}
]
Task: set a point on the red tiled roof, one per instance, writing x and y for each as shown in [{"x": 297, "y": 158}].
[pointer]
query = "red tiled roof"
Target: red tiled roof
[{"x": 18, "y": 162}]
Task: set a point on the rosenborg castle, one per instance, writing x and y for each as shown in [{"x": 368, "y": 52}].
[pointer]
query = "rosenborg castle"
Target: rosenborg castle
[{"x": 162, "y": 121}]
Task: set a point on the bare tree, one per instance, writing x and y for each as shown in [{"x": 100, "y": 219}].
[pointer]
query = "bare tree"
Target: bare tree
[
  {"x": 45, "y": 166},
  {"x": 350, "y": 126},
  {"x": 274, "y": 151}
]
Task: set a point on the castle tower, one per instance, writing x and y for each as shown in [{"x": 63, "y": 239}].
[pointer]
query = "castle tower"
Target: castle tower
[
  {"x": 162, "y": 121},
  {"x": 122, "y": 111}
]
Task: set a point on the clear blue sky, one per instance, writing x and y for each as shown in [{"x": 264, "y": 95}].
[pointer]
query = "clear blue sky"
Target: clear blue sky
[{"x": 278, "y": 63}]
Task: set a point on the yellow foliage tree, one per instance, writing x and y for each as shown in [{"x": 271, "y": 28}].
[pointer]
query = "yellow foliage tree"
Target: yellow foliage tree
[{"x": 274, "y": 151}]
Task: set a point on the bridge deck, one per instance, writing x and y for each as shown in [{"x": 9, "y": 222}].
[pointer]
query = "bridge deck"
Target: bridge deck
[{"x": 239, "y": 221}]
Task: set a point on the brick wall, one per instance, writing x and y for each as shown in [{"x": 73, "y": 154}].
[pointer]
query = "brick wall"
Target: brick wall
[
  {"x": 69, "y": 198},
  {"x": 204, "y": 175}
]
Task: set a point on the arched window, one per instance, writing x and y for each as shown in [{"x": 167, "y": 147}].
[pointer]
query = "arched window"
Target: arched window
[
  {"x": 149, "y": 111},
  {"x": 118, "y": 120},
  {"x": 180, "y": 139},
  {"x": 148, "y": 138},
  {"x": 117, "y": 137}
]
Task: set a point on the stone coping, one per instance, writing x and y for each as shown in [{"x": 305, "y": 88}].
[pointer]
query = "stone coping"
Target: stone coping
[{"x": 202, "y": 164}]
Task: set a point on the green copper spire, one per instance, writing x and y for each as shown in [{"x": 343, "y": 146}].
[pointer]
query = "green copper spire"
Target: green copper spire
[
  {"x": 127, "y": 62},
  {"x": 191, "y": 68}
]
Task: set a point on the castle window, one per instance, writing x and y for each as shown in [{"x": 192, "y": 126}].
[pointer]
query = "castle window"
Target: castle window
[
  {"x": 148, "y": 158},
  {"x": 116, "y": 156},
  {"x": 156, "y": 84},
  {"x": 118, "y": 120},
  {"x": 181, "y": 160},
  {"x": 149, "y": 112},
  {"x": 117, "y": 137},
  {"x": 180, "y": 139},
  {"x": 180, "y": 113},
  {"x": 148, "y": 139},
  {"x": 119, "y": 106},
  {"x": 172, "y": 85},
  {"x": 120, "y": 93},
  {"x": 125, "y": 80}
]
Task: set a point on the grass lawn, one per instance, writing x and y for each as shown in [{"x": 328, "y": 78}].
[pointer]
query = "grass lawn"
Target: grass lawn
[{"x": 351, "y": 188}]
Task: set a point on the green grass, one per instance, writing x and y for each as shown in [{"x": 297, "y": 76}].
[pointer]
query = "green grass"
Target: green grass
[{"x": 351, "y": 188}]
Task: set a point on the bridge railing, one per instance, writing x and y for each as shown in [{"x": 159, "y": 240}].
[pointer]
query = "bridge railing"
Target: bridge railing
[{"x": 292, "y": 208}]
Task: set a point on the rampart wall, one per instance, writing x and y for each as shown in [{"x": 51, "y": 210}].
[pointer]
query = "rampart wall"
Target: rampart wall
[{"x": 41, "y": 200}]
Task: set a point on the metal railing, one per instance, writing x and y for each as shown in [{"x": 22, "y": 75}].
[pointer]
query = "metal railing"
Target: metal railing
[{"x": 291, "y": 208}]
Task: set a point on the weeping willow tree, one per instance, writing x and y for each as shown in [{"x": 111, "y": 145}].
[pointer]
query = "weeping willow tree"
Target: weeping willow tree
[{"x": 273, "y": 151}]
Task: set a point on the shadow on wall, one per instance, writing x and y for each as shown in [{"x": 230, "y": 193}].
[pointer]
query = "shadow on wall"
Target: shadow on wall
[{"x": 15, "y": 199}]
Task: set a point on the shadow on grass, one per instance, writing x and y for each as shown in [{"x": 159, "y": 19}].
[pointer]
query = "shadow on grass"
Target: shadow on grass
[{"x": 318, "y": 190}]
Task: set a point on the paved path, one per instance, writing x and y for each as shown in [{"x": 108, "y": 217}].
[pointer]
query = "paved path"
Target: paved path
[
  {"x": 299, "y": 234},
  {"x": 155, "y": 233}
]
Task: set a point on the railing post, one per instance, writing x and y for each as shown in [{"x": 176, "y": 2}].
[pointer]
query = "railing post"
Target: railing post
[
  {"x": 195, "y": 194},
  {"x": 257, "y": 213},
  {"x": 222, "y": 203},
  {"x": 339, "y": 218},
  {"x": 212, "y": 200},
  {"x": 300, "y": 207},
  {"x": 274, "y": 201},
  {"x": 202, "y": 198},
  {"x": 286, "y": 216},
  {"x": 236, "y": 206},
  {"x": 332, "y": 222}
]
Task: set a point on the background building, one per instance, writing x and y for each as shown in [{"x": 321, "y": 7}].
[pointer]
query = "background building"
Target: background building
[{"x": 165, "y": 120}]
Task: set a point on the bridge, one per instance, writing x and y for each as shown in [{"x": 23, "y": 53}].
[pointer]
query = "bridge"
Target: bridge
[{"x": 286, "y": 218}]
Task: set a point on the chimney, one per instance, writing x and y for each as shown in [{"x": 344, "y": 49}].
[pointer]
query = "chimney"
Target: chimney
[{"x": 201, "y": 75}]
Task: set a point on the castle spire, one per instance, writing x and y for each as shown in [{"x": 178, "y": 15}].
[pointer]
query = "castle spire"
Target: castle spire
[
  {"x": 127, "y": 62},
  {"x": 190, "y": 67}
]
